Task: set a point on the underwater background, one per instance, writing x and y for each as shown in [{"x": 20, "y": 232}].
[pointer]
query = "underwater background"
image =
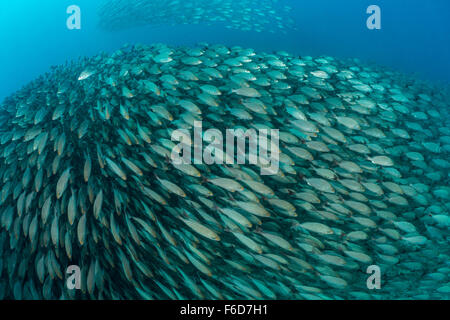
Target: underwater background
[
  {"x": 86, "y": 130},
  {"x": 414, "y": 37}
]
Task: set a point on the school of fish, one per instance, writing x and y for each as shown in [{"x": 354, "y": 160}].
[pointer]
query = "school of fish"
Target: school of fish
[
  {"x": 245, "y": 15},
  {"x": 87, "y": 180}
]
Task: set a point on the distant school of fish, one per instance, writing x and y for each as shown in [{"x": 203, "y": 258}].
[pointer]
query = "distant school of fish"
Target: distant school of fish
[
  {"x": 87, "y": 180},
  {"x": 245, "y": 15}
]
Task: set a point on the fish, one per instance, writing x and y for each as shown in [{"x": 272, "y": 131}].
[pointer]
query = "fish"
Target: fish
[
  {"x": 86, "y": 74},
  {"x": 88, "y": 178},
  {"x": 267, "y": 16}
]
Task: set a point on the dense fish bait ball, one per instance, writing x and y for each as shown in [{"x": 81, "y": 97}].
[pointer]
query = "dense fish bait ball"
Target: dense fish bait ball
[
  {"x": 87, "y": 180},
  {"x": 244, "y": 15}
]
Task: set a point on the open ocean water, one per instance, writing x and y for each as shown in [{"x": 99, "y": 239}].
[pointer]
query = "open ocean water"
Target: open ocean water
[
  {"x": 345, "y": 196},
  {"x": 413, "y": 39}
]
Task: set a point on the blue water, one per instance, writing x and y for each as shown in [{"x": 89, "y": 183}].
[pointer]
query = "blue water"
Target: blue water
[{"x": 415, "y": 36}]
